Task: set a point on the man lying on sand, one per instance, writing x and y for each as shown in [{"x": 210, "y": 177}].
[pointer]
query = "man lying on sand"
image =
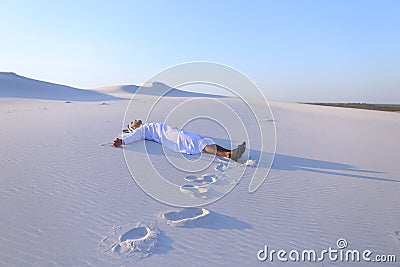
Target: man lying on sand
[{"x": 177, "y": 140}]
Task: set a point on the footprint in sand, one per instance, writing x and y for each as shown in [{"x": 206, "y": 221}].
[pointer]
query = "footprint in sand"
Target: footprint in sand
[
  {"x": 191, "y": 178},
  {"x": 194, "y": 190},
  {"x": 222, "y": 166},
  {"x": 202, "y": 179},
  {"x": 138, "y": 241},
  {"x": 185, "y": 216}
]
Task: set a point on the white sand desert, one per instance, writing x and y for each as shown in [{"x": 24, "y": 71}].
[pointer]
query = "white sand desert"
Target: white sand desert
[{"x": 68, "y": 199}]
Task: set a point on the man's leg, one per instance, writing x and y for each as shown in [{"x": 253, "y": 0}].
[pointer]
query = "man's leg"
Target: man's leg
[
  {"x": 217, "y": 150},
  {"x": 226, "y": 153}
]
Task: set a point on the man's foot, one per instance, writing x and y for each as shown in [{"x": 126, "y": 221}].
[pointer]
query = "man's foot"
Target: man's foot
[{"x": 238, "y": 152}]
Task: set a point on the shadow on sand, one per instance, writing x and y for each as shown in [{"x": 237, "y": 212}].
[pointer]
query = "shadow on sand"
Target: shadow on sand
[
  {"x": 292, "y": 163},
  {"x": 164, "y": 244}
]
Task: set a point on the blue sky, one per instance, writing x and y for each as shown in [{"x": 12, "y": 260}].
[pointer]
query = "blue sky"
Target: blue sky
[{"x": 327, "y": 51}]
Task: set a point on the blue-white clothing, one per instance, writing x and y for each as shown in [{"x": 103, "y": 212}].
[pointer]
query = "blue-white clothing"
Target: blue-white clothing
[{"x": 175, "y": 139}]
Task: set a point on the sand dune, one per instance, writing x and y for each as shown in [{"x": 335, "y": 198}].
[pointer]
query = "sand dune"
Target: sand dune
[
  {"x": 149, "y": 88},
  {"x": 16, "y": 86},
  {"x": 13, "y": 85}
]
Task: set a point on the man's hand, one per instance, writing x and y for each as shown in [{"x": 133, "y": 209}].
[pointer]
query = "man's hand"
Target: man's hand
[{"x": 117, "y": 142}]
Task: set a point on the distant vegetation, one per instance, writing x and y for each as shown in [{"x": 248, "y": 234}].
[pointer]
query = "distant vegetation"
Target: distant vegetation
[{"x": 381, "y": 107}]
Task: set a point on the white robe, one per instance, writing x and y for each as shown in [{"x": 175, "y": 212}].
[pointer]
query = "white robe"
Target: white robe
[{"x": 175, "y": 139}]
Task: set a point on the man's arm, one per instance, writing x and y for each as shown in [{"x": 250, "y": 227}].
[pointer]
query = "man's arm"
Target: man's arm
[{"x": 134, "y": 136}]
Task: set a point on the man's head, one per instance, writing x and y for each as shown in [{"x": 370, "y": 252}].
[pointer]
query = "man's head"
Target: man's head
[{"x": 134, "y": 124}]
